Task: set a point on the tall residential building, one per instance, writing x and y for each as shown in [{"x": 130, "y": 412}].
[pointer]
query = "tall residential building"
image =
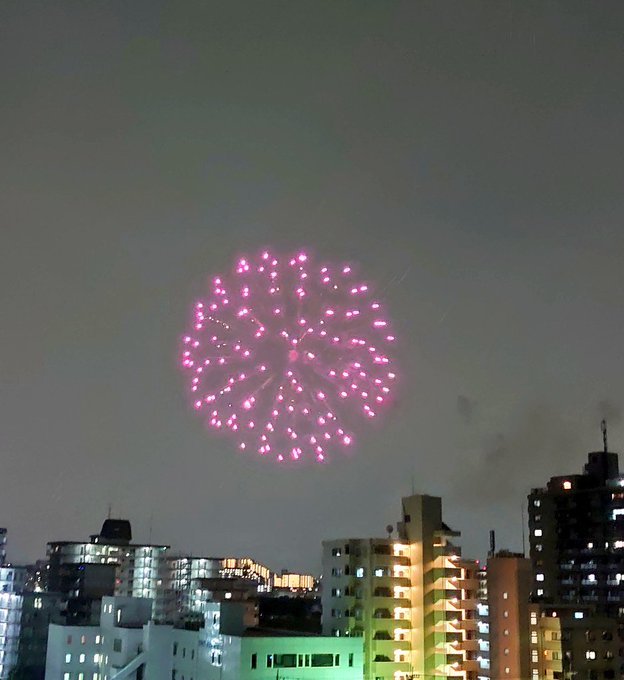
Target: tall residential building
[
  {"x": 577, "y": 537},
  {"x": 109, "y": 564},
  {"x": 576, "y": 528},
  {"x": 413, "y": 599},
  {"x": 509, "y": 579}
]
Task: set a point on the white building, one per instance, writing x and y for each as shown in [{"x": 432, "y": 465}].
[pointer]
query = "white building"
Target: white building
[
  {"x": 12, "y": 580},
  {"x": 129, "y": 645}
]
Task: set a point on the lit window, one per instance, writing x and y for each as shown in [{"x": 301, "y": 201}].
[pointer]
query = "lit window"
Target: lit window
[
  {"x": 567, "y": 485},
  {"x": 228, "y": 596},
  {"x": 83, "y": 639},
  {"x": 67, "y": 658},
  {"x": 534, "y": 640},
  {"x": 539, "y": 577},
  {"x": 590, "y": 654},
  {"x": 591, "y": 577},
  {"x": 98, "y": 639},
  {"x": 507, "y": 670},
  {"x": 578, "y": 615},
  {"x": 379, "y": 572},
  {"x": 540, "y": 592},
  {"x": 537, "y": 532},
  {"x": 506, "y": 631},
  {"x": 537, "y": 503},
  {"x": 359, "y": 572},
  {"x": 506, "y": 614},
  {"x": 82, "y": 658},
  {"x": 534, "y": 618},
  {"x": 96, "y": 658},
  {"x": 66, "y": 676},
  {"x": 505, "y": 596},
  {"x": 506, "y": 651},
  {"x": 534, "y": 655}
]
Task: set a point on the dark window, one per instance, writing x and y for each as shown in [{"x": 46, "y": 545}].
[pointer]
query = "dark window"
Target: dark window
[
  {"x": 350, "y": 660},
  {"x": 254, "y": 661},
  {"x": 116, "y": 645},
  {"x": 175, "y": 648},
  {"x": 284, "y": 660},
  {"x": 322, "y": 660}
]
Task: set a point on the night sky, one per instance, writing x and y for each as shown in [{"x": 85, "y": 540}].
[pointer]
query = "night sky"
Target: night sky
[{"x": 469, "y": 155}]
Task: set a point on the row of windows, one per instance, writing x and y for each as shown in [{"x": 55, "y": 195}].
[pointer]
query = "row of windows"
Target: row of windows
[
  {"x": 83, "y": 639},
  {"x": 175, "y": 651},
  {"x": 301, "y": 660},
  {"x": 82, "y": 658},
  {"x": 81, "y": 676}
]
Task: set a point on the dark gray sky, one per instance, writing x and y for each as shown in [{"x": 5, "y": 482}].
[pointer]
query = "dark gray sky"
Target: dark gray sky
[{"x": 470, "y": 155}]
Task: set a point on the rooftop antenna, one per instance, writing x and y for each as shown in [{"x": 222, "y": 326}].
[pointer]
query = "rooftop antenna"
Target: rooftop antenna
[
  {"x": 110, "y": 510},
  {"x": 603, "y": 427},
  {"x": 523, "y": 535},
  {"x": 492, "y": 543}
]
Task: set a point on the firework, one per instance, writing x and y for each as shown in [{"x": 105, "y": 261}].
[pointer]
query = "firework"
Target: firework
[{"x": 286, "y": 356}]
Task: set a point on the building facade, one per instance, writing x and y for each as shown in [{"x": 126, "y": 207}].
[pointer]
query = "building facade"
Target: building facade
[{"x": 413, "y": 600}]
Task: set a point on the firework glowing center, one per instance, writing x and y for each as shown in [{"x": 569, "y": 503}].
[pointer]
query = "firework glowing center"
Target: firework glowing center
[{"x": 287, "y": 356}]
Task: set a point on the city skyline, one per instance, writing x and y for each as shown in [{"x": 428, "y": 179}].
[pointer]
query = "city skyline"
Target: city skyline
[{"x": 470, "y": 160}]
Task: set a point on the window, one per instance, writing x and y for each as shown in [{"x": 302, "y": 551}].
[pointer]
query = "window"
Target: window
[
  {"x": 322, "y": 660},
  {"x": 336, "y": 552},
  {"x": 117, "y": 645},
  {"x": 350, "y": 660},
  {"x": 66, "y": 676},
  {"x": 83, "y": 639},
  {"x": 359, "y": 572},
  {"x": 567, "y": 485},
  {"x": 67, "y": 658},
  {"x": 82, "y": 658},
  {"x": 533, "y": 618},
  {"x": 534, "y": 637},
  {"x": 590, "y": 654},
  {"x": 540, "y": 592},
  {"x": 537, "y": 503},
  {"x": 175, "y": 649},
  {"x": 254, "y": 661},
  {"x": 98, "y": 639},
  {"x": 505, "y": 596},
  {"x": 96, "y": 658},
  {"x": 284, "y": 660},
  {"x": 534, "y": 656},
  {"x": 506, "y": 614},
  {"x": 69, "y": 639},
  {"x": 578, "y": 615},
  {"x": 537, "y": 532}
]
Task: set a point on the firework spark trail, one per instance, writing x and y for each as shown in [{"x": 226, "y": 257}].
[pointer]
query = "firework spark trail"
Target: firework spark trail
[{"x": 282, "y": 354}]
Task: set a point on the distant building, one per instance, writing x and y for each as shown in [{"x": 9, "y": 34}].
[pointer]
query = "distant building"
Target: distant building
[
  {"x": 413, "y": 600},
  {"x": 576, "y": 529}
]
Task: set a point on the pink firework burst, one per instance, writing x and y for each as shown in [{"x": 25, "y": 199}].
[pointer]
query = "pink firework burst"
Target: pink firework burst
[{"x": 284, "y": 354}]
